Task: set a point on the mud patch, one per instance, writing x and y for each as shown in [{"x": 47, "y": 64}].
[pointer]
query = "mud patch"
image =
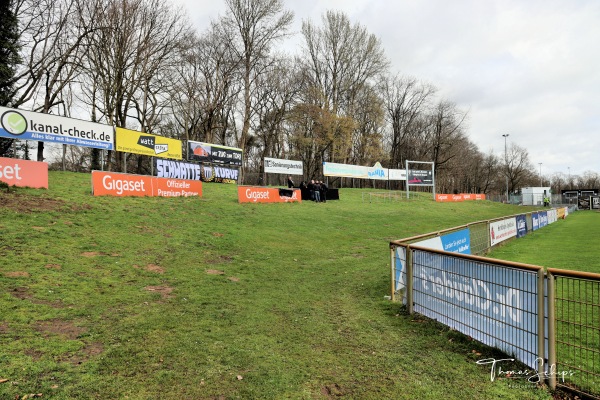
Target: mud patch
[
  {"x": 91, "y": 254},
  {"x": 17, "y": 274},
  {"x": 234, "y": 279},
  {"x": 165, "y": 291},
  {"x": 332, "y": 391},
  {"x": 66, "y": 329},
  {"x": 34, "y": 354},
  {"x": 220, "y": 260},
  {"x": 3, "y": 327},
  {"x": 23, "y": 203},
  {"x": 21, "y": 293},
  {"x": 98, "y": 254},
  {"x": 53, "y": 266},
  {"x": 154, "y": 268},
  {"x": 214, "y": 272},
  {"x": 90, "y": 350}
]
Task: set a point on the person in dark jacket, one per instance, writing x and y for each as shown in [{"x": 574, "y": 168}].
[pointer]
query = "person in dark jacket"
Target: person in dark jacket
[
  {"x": 323, "y": 191},
  {"x": 314, "y": 191},
  {"x": 290, "y": 182}
]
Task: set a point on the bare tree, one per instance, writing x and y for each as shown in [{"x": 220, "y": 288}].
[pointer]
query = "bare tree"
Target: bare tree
[
  {"x": 275, "y": 95},
  {"x": 52, "y": 35},
  {"x": 128, "y": 60},
  {"x": 406, "y": 99},
  {"x": 518, "y": 167},
  {"x": 254, "y": 26},
  {"x": 341, "y": 59},
  {"x": 204, "y": 87}
]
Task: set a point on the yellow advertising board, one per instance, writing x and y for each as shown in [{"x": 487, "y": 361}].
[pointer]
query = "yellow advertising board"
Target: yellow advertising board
[{"x": 129, "y": 141}]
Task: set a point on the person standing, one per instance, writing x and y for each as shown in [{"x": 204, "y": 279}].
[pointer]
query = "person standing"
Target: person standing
[
  {"x": 311, "y": 189},
  {"x": 323, "y": 189},
  {"x": 290, "y": 182}
]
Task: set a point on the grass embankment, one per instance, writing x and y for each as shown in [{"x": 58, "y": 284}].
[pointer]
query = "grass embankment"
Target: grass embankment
[{"x": 155, "y": 298}]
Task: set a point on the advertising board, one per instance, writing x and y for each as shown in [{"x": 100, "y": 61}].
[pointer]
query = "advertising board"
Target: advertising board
[
  {"x": 417, "y": 177},
  {"x": 177, "y": 169},
  {"x": 121, "y": 185},
  {"x": 29, "y": 125},
  {"x": 286, "y": 167},
  {"x": 255, "y": 194},
  {"x": 214, "y": 154},
  {"x": 494, "y": 305},
  {"x": 24, "y": 173},
  {"x": 129, "y": 141},
  {"x": 455, "y": 242},
  {"x": 502, "y": 230}
]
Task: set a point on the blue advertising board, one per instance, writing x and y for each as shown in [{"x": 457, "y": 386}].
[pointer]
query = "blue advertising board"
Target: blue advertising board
[
  {"x": 493, "y": 304},
  {"x": 521, "y": 225},
  {"x": 535, "y": 221},
  {"x": 543, "y": 218}
]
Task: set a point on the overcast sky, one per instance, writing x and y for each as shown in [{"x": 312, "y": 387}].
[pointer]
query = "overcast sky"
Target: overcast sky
[{"x": 527, "y": 68}]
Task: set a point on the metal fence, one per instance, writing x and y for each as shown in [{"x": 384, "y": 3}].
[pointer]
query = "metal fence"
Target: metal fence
[
  {"x": 575, "y": 329},
  {"x": 549, "y": 321}
]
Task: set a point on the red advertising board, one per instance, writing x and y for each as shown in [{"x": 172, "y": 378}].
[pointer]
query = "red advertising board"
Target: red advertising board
[
  {"x": 458, "y": 197},
  {"x": 118, "y": 184},
  {"x": 254, "y": 194},
  {"x": 24, "y": 173}
]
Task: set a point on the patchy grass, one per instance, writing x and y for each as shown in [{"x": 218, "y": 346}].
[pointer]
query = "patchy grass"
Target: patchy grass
[{"x": 205, "y": 298}]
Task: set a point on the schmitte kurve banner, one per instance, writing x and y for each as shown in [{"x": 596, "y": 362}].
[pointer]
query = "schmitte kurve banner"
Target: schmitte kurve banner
[{"x": 29, "y": 125}]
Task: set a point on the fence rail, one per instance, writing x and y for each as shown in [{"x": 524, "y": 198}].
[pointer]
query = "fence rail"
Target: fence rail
[{"x": 549, "y": 321}]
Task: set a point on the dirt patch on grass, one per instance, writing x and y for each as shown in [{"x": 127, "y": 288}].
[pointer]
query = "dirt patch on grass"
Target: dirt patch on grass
[
  {"x": 34, "y": 354},
  {"x": 220, "y": 260},
  {"x": 90, "y": 350},
  {"x": 23, "y": 203},
  {"x": 332, "y": 391},
  {"x": 155, "y": 268},
  {"x": 165, "y": 291},
  {"x": 53, "y": 266},
  {"x": 91, "y": 254},
  {"x": 98, "y": 254},
  {"x": 3, "y": 327},
  {"x": 234, "y": 279},
  {"x": 21, "y": 293},
  {"x": 214, "y": 272},
  {"x": 59, "y": 327},
  {"x": 17, "y": 274}
]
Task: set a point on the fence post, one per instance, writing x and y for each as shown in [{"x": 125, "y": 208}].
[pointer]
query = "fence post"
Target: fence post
[
  {"x": 541, "y": 336},
  {"x": 409, "y": 279},
  {"x": 551, "y": 328}
]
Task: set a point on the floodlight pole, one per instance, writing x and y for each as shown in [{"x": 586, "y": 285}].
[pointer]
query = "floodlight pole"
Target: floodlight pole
[
  {"x": 541, "y": 183},
  {"x": 506, "y": 163}
]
